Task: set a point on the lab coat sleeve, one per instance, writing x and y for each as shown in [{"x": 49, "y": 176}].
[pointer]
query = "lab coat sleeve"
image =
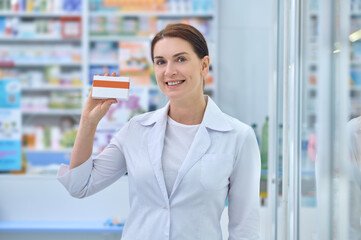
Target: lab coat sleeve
[
  {"x": 243, "y": 210},
  {"x": 97, "y": 172}
]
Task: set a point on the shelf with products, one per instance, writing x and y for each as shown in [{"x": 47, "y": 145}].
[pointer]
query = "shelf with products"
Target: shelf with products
[
  {"x": 35, "y": 54},
  {"x": 118, "y": 38},
  {"x": 52, "y": 112},
  {"x": 41, "y": 63},
  {"x": 40, "y": 7},
  {"x": 49, "y": 140},
  {"x": 43, "y": 46},
  {"x": 47, "y": 150},
  {"x": 52, "y": 88},
  {"x": 39, "y": 14},
  {"x": 171, "y": 6},
  {"x": 36, "y": 39},
  {"x": 149, "y": 14},
  {"x": 45, "y": 28}
]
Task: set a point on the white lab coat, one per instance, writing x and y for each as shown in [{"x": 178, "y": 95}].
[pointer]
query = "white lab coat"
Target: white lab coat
[{"x": 223, "y": 160}]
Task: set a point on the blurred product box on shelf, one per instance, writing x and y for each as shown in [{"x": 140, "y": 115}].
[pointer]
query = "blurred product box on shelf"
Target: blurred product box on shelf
[
  {"x": 110, "y": 87},
  {"x": 70, "y": 27}
]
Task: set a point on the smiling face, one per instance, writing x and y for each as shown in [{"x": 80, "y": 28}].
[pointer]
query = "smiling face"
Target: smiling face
[{"x": 178, "y": 69}]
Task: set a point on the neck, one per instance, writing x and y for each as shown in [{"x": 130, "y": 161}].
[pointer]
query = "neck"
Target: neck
[{"x": 188, "y": 112}]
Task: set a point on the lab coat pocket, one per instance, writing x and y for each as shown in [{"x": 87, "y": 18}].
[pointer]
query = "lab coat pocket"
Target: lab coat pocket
[{"x": 216, "y": 170}]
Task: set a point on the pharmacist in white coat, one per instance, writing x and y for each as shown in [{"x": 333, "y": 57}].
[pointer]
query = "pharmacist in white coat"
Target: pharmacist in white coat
[{"x": 183, "y": 160}]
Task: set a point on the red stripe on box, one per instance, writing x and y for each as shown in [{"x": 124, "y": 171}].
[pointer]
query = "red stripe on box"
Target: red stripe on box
[{"x": 110, "y": 84}]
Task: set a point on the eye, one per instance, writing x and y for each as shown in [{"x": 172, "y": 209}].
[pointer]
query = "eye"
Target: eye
[
  {"x": 160, "y": 62},
  {"x": 181, "y": 59}
]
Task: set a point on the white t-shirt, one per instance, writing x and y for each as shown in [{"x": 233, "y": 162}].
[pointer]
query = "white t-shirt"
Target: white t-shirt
[{"x": 177, "y": 141}]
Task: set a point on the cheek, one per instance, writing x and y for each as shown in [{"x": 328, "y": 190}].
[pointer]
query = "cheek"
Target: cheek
[{"x": 158, "y": 73}]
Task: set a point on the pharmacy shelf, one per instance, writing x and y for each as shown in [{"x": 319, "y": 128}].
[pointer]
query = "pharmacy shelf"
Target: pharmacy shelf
[
  {"x": 40, "y": 63},
  {"x": 47, "y": 151},
  {"x": 40, "y": 15},
  {"x": 38, "y": 39},
  {"x": 104, "y": 63},
  {"x": 51, "y": 88},
  {"x": 153, "y": 14},
  {"x": 130, "y": 38},
  {"x": 119, "y": 38},
  {"x": 58, "y": 226},
  {"x": 53, "y": 112}
]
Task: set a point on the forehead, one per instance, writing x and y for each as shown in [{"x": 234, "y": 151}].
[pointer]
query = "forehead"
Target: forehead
[{"x": 170, "y": 46}]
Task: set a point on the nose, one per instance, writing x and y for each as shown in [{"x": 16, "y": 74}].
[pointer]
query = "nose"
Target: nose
[{"x": 170, "y": 70}]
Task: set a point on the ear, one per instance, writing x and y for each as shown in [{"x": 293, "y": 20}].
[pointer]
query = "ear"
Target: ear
[{"x": 205, "y": 66}]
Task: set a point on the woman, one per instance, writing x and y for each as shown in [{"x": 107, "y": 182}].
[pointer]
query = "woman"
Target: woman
[{"x": 183, "y": 160}]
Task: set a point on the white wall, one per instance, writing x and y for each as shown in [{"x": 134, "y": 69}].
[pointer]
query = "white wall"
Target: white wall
[
  {"x": 245, "y": 67},
  {"x": 245, "y": 44}
]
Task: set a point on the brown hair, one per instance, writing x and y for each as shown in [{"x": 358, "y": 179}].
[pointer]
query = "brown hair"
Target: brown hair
[{"x": 185, "y": 32}]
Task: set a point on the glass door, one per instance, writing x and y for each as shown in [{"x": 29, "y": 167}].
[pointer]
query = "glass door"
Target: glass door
[{"x": 316, "y": 179}]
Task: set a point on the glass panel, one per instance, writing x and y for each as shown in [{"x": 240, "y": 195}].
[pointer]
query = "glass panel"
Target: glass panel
[
  {"x": 309, "y": 115},
  {"x": 278, "y": 166},
  {"x": 353, "y": 187}
]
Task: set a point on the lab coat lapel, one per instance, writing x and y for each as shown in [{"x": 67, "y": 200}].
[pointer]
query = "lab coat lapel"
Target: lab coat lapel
[
  {"x": 155, "y": 149},
  {"x": 198, "y": 148},
  {"x": 213, "y": 120}
]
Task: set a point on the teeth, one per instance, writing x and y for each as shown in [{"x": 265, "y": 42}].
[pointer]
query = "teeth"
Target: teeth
[{"x": 174, "y": 83}]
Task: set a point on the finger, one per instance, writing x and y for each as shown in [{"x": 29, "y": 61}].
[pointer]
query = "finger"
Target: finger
[
  {"x": 106, "y": 74},
  {"x": 113, "y": 100},
  {"x": 114, "y": 74},
  {"x": 90, "y": 92},
  {"x": 106, "y": 105}
]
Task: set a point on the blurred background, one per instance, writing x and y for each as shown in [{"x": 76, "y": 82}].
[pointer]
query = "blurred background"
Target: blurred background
[{"x": 290, "y": 69}]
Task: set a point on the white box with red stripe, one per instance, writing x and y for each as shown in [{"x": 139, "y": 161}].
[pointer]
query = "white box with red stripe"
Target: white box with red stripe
[{"x": 110, "y": 87}]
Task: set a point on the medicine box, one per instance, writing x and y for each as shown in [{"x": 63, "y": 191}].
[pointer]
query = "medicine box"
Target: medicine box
[{"x": 110, "y": 87}]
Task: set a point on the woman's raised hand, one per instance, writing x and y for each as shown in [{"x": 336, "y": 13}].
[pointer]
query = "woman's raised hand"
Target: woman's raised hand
[{"x": 95, "y": 109}]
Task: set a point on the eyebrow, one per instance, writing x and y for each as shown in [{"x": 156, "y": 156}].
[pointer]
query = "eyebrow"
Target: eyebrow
[{"x": 175, "y": 55}]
